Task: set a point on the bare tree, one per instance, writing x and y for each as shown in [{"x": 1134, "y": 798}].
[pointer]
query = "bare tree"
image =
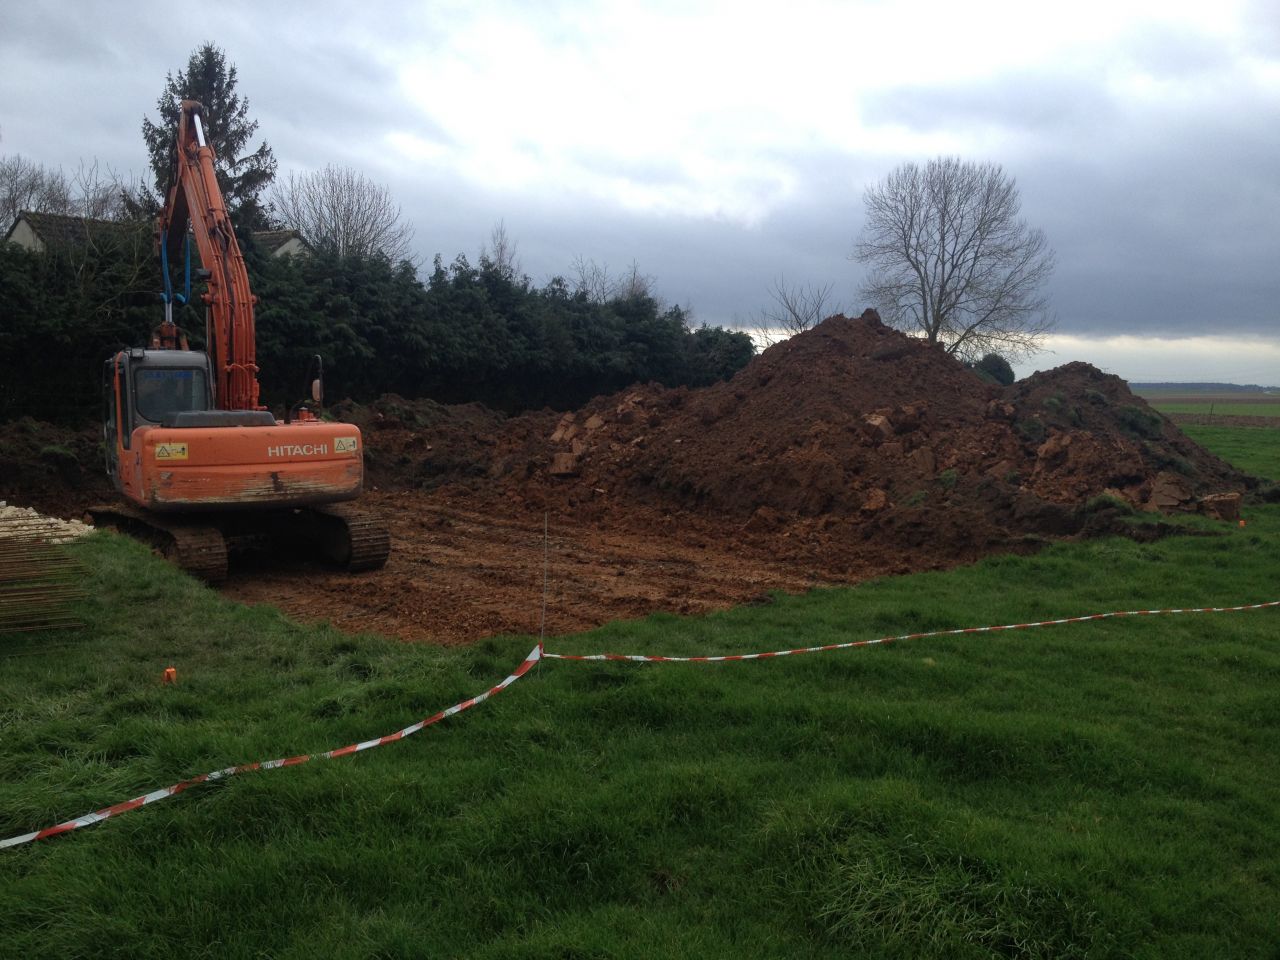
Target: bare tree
[
  {"x": 591, "y": 279},
  {"x": 594, "y": 280},
  {"x": 795, "y": 309},
  {"x": 501, "y": 251},
  {"x": 633, "y": 283},
  {"x": 101, "y": 197},
  {"x": 951, "y": 259},
  {"x": 340, "y": 211},
  {"x": 25, "y": 185}
]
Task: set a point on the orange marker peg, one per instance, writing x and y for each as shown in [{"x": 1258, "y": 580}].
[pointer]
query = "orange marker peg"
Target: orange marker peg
[
  {"x": 170, "y": 675},
  {"x": 1242, "y": 523}
]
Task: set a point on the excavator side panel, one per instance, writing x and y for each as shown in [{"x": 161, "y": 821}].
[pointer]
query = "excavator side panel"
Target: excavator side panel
[{"x": 215, "y": 468}]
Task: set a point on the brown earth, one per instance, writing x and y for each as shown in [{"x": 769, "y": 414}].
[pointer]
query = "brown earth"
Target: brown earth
[{"x": 847, "y": 452}]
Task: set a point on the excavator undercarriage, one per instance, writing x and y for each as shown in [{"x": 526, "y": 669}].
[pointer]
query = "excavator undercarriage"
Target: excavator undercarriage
[{"x": 203, "y": 543}]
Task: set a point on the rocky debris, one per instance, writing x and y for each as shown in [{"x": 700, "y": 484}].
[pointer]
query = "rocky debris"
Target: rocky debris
[
  {"x": 563, "y": 465},
  {"x": 1000, "y": 410},
  {"x": 1091, "y": 433},
  {"x": 28, "y": 524},
  {"x": 877, "y": 426},
  {"x": 910, "y": 416},
  {"x": 1221, "y": 506},
  {"x": 1168, "y": 492},
  {"x": 923, "y": 460},
  {"x": 876, "y": 501},
  {"x": 566, "y": 429},
  {"x": 763, "y": 520}
]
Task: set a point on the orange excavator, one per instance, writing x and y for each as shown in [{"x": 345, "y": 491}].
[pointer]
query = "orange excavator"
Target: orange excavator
[{"x": 204, "y": 468}]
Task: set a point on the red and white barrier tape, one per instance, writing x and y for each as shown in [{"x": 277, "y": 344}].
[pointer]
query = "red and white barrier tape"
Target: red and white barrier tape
[
  {"x": 536, "y": 654},
  {"x": 641, "y": 658},
  {"x": 89, "y": 819}
]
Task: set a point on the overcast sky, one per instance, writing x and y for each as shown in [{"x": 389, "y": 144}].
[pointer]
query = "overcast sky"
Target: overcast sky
[{"x": 721, "y": 146}]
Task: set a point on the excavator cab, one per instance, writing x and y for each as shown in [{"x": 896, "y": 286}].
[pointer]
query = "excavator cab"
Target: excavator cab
[
  {"x": 150, "y": 388},
  {"x": 162, "y": 391}
]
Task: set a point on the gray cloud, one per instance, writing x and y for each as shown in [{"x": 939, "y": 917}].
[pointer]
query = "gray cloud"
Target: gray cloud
[
  {"x": 1162, "y": 215},
  {"x": 1162, "y": 210},
  {"x": 1027, "y": 104}
]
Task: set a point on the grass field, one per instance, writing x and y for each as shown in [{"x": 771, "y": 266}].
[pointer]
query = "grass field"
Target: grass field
[
  {"x": 1255, "y": 450},
  {"x": 1229, "y": 404},
  {"x": 1098, "y": 790},
  {"x": 1221, "y": 408}
]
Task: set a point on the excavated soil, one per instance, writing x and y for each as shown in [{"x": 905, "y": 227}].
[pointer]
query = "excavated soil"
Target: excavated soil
[{"x": 847, "y": 452}]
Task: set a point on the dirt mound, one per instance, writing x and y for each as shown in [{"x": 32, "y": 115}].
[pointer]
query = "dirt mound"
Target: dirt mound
[
  {"x": 1092, "y": 435},
  {"x": 419, "y": 444},
  {"x": 57, "y": 470},
  {"x": 837, "y": 421},
  {"x": 847, "y": 441},
  {"x": 855, "y": 430}
]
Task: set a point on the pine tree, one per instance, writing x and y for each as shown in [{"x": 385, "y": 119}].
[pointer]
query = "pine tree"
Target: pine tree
[{"x": 242, "y": 176}]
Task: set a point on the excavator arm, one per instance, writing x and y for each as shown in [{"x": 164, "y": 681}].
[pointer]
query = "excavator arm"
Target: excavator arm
[{"x": 194, "y": 196}]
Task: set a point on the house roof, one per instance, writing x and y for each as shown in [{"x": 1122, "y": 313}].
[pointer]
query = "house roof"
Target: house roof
[
  {"x": 59, "y": 229},
  {"x": 56, "y": 228},
  {"x": 275, "y": 239}
]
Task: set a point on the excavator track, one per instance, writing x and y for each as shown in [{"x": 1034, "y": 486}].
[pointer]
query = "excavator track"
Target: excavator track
[
  {"x": 201, "y": 551},
  {"x": 352, "y": 538},
  {"x": 198, "y": 549},
  {"x": 343, "y": 535}
]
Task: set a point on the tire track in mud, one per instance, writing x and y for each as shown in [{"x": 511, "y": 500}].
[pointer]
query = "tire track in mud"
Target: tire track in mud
[{"x": 460, "y": 573}]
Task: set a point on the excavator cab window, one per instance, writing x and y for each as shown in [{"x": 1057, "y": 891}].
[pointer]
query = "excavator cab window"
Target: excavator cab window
[{"x": 160, "y": 391}]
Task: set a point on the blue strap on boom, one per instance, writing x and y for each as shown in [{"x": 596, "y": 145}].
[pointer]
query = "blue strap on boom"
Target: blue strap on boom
[
  {"x": 186, "y": 279},
  {"x": 168, "y": 296}
]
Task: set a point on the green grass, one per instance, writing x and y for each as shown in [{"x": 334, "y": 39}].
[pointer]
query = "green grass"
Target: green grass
[
  {"x": 1217, "y": 407},
  {"x": 1255, "y": 450},
  {"x": 1096, "y": 790}
]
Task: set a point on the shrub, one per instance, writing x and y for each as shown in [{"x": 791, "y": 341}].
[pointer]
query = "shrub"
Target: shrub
[
  {"x": 948, "y": 478},
  {"x": 1165, "y": 460},
  {"x": 1105, "y": 501},
  {"x": 1032, "y": 430},
  {"x": 59, "y": 457},
  {"x": 996, "y": 368},
  {"x": 1140, "y": 422}
]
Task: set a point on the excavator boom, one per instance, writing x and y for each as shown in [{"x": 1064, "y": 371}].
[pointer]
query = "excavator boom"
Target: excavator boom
[{"x": 195, "y": 196}]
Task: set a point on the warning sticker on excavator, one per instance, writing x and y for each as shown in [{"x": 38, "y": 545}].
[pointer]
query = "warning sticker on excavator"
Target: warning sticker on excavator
[
  {"x": 171, "y": 451},
  {"x": 344, "y": 444}
]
